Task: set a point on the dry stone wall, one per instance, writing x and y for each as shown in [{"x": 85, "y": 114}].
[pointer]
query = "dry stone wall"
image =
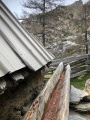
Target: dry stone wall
[{"x": 16, "y": 101}]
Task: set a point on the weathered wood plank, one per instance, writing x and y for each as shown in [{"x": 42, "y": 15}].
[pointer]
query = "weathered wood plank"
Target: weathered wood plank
[
  {"x": 50, "y": 70},
  {"x": 78, "y": 74},
  {"x": 68, "y": 60},
  {"x": 49, "y": 73},
  {"x": 63, "y": 109},
  {"x": 78, "y": 69},
  {"x": 88, "y": 62},
  {"x": 36, "y": 111},
  {"x": 88, "y": 68},
  {"x": 78, "y": 65},
  {"x": 73, "y": 64}
]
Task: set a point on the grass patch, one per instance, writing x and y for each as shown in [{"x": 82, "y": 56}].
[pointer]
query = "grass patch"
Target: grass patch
[
  {"x": 49, "y": 75},
  {"x": 80, "y": 81}
]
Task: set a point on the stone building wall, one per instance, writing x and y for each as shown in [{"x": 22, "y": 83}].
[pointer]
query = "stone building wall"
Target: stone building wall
[{"x": 17, "y": 100}]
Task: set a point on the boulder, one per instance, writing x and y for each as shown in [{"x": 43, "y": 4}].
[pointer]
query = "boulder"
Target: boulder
[
  {"x": 25, "y": 109},
  {"x": 87, "y": 86},
  {"x": 76, "y": 95},
  {"x": 86, "y": 98},
  {"x": 76, "y": 116},
  {"x": 87, "y": 89},
  {"x": 83, "y": 107}
]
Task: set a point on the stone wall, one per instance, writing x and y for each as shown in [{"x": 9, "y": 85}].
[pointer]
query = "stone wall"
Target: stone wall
[{"x": 17, "y": 100}]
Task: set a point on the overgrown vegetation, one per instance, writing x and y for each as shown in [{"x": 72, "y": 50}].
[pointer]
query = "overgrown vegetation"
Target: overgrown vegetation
[{"x": 80, "y": 81}]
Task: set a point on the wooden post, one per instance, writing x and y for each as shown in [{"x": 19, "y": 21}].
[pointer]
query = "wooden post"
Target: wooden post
[{"x": 88, "y": 63}]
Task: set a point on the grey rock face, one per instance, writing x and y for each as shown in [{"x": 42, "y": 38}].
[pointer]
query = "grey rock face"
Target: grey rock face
[
  {"x": 87, "y": 86},
  {"x": 83, "y": 107},
  {"x": 76, "y": 116},
  {"x": 87, "y": 98},
  {"x": 25, "y": 109},
  {"x": 76, "y": 95}
]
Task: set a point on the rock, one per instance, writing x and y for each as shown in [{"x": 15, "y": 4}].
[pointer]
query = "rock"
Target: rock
[
  {"x": 76, "y": 95},
  {"x": 59, "y": 48},
  {"x": 85, "y": 94},
  {"x": 77, "y": 116},
  {"x": 87, "y": 89},
  {"x": 25, "y": 109},
  {"x": 82, "y": 107},
  {"x": 87, "y": 86},
  {"x": 86, "y": 98}
]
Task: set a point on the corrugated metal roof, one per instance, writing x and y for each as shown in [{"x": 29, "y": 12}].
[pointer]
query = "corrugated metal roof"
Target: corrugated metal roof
[{"x": 18, "y": 48}]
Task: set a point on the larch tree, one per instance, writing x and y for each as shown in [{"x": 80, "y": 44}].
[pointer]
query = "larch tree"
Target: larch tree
[
  {"x": 83, "y": 23},
  {"x": 41, "y": 7}
]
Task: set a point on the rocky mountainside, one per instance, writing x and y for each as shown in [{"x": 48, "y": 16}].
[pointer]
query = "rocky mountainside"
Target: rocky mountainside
[
  {"x": 60, "y": 27},
  {"x": 58, "y": 22}
]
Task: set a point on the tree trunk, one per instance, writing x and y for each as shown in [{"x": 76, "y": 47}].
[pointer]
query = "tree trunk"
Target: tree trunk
[
  {"x": 86, "y": 33},
  {"x": 86, "y": 42},
  {"x": 43, "y": 24}
]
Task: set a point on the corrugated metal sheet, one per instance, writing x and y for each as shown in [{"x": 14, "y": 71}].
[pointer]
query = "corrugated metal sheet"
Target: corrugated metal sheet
[
  {"x": 9, "y": 60},
  {"x": 18, "y": 48}
]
